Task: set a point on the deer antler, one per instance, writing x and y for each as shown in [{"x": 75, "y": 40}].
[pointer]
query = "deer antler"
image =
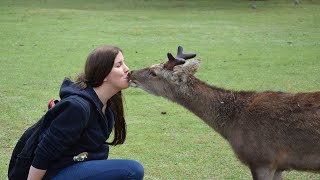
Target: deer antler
[{"x": 179, "y": 59}]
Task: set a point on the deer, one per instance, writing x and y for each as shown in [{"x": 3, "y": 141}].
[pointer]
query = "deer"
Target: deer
[{"x": 269, "y": 132}]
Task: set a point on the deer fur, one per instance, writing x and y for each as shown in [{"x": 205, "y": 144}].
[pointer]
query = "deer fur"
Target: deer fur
[{"x": 269, "y": 131}]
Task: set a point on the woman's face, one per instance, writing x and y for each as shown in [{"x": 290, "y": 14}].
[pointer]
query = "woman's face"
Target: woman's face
[{"x": 118, "y": 77}]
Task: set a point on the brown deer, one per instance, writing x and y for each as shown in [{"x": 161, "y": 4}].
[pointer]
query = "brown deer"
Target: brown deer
[{"x": 269, "y": 131}]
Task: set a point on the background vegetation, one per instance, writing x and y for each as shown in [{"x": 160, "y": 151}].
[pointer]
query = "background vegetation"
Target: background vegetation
[{"x": 243, "y": 45}]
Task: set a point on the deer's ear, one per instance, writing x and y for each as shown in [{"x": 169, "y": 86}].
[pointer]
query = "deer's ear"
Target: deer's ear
[
  {"x": 179, "y": 77},
  {"x": 191, "y": 66}
]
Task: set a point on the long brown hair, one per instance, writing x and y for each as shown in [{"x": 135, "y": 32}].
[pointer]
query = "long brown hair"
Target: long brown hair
[{"x": 98, "y": 65}]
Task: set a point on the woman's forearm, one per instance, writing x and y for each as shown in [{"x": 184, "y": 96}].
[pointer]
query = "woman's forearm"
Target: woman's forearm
[{"x": 36, "y": 174}]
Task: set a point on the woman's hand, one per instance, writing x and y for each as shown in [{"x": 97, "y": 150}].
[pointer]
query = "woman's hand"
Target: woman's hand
[{"x": 36, "y": 174}]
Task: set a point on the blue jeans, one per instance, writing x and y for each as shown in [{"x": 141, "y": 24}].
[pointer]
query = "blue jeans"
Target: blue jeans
[{"x": 103, "y": 169}]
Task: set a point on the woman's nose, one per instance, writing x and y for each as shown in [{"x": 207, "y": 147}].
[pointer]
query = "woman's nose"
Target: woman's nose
[{"x": 126, "y": 69}]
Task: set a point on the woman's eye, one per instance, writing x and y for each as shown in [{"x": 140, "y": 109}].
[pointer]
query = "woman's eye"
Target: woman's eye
[{"x": 118, "y": 65}]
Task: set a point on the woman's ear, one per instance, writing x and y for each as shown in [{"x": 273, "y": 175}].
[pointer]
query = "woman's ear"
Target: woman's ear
[{"x": 105, "y": 79}]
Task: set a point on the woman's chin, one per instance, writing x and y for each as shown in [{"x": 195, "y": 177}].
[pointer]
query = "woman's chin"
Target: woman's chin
[{"x": 126, "y": 86}]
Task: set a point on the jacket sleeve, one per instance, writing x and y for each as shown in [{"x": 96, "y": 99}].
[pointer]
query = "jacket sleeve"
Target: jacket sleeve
[{"x": 63, "y": 133}]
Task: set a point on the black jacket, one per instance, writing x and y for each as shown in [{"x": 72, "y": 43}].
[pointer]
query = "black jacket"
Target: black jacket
[{"x": 74, "y": 125}]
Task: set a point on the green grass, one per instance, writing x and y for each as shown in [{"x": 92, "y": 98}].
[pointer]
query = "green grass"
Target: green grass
[{"x": 273, "y": 47}]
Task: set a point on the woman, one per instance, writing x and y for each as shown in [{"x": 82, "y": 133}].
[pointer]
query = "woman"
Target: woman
[{"x": 74, "y": 145}]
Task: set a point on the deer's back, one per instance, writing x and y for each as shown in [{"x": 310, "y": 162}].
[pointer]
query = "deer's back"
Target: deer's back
[{"x": 279, "y": 127}]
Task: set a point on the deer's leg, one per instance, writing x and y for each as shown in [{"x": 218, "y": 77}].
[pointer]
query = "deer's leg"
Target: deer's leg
[
  {"x": 262, "y": 173},
  {"x": 277, "y": 175}
]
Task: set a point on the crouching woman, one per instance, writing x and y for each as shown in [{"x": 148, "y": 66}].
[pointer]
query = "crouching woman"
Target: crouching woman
[{"x": 74, "y": 145}]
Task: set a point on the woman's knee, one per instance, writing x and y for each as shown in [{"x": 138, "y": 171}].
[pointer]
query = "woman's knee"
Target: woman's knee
[{"x": 136, "y": 170}]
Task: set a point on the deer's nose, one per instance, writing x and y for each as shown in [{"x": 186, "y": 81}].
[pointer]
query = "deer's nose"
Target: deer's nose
[{"x": 130, "y": 74}]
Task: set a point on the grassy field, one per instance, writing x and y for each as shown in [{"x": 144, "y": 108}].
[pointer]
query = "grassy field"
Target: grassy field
[{"x": 243, "y": 45}]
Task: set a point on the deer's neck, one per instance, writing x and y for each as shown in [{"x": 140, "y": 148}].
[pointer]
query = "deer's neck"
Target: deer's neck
[{"x": 217, "y": 107}]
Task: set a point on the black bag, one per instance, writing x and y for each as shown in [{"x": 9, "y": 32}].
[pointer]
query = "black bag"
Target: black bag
[{"x": 23, "y": 153}]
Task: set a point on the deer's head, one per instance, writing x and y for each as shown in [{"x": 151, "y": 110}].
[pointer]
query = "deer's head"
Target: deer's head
[{"x": 162, "y": 79}]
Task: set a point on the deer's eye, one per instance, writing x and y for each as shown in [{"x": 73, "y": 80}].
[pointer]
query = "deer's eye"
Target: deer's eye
[{"x": 152, "y": 73}]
